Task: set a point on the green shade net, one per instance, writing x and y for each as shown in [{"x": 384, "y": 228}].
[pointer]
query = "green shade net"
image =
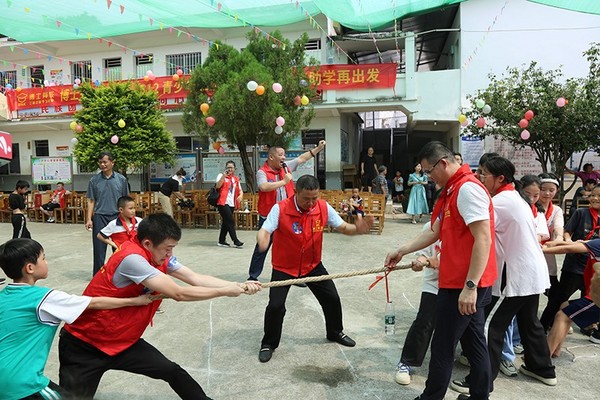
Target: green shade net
[
  {"x": 585, "y": 6},
  {"x": 35, "y": 20}
]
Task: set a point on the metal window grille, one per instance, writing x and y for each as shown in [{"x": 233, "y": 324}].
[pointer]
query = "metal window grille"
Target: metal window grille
[
  {"x": 186, "y": 62},
  {"x": 112, "y": 69},
  {"x": 36, "y": 73},
  {"x": 7, "y": 77},
  {"x": 41, "y": 148},
  {"x": 81, "y": 70},
  {"x": 313, "y": 44},
  {"x": 143, "y": 64}
]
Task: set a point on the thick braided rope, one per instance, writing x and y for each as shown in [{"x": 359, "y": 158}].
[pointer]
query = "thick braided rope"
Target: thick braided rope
[{"x": 320, "y": 278}]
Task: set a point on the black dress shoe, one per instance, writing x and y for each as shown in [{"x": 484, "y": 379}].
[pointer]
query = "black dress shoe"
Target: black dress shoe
[
  {"x": 265, "y": 354},
  {"x": 342, "y": 339},
  {"x": 463, "y": 396}
]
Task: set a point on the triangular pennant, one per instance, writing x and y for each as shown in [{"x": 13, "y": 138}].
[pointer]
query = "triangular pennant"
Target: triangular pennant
[
  {"x": 108, "y": 3},
  {"x": 178, "y": 33},
  {"x": 77, "y": 31},
  {"x": 109, "y": 43},
  {"x": 160, "y": 25},
  {"x": 12, "y": 48},
  {"x": 219, "y": 5},
  {"x": 122, "y": 7},
  {"x": 58, "y": 24},
  {"x": 89, "y": 35},
  {"x": 151, "y": 21},
  {"x": 8, "y": 3}
]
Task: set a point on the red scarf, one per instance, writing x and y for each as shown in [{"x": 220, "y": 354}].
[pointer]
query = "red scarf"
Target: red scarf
[
  {"x": 505, "y": 187},
  {"x": 595, "y": 224},
  {"x": 130, "y": 232}
]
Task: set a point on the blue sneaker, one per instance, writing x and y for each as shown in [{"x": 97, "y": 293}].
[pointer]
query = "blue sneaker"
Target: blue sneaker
[{"x": 403, "y": 374}]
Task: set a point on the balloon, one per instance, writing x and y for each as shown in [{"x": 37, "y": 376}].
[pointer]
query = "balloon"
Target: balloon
[
  {"x": 210, "y": 121},
  {"x": 480, "y": 122},
  {"x": 18, "y": 89},
  {"x": 97, "y": 82},
  {"x": 121, "y": 123},
  {"x": 74, "y": 140},
  {"x": 152, "y": 78},
  {"x": 487, "y": 109},
  {"x": 280, "y": 121},
  {"x": 304, "y": 101},
  {"x": 146, "y": 78},
  {"x": 114, "y": 139},
  {"x": 480, "y": 103},
  {"x": 560, "y": 102},
  {"x": 216, "y": 145},
  {"x": 221, "y": 150},
  {"x": 75, "y": 86},
  {"x": 462, "y": 118},
  {"x": 79, "y": 128},
  {"x": 77, "y": 81},
  {"x": 277, "y": 88},
  {"x": 149, "y": 72},
  {"x": 529, "y": 115},
  {"x": 251, "y": 85},
  {"x": 523, "y": 123},
  {"x": 278, "y": 130},
  {"x": 8, "y": 86},
  {"x": 464, "y": 123},
  {"x": 260, "y": 90},
  {"x": 204, "y": 107},
  {"x": 73, "y": 125},
  {"x": 297, "y": 100},
  {"x": 179, "y": 72},
  {"x": 175, "y": 77},
  {"x": 303, "y": 82},
  {"x": 525, "y": 134}
]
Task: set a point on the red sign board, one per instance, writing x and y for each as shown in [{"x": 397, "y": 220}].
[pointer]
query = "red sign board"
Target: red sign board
[
  {"x": 6, "y": 146},
  {"x": 349, "y": 77},
  {"x": 64, "y": 99}
]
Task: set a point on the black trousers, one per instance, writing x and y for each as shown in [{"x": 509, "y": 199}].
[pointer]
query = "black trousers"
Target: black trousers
[
  {"x": 420, "y": 332},
  {"x": 569, "y": 283},
  {"x": 326, "y": 295},
  {"x": 19, "y": 223},
  {"x": 450, "y": 327},
  {"x": 99, "y": 221},
  {"x": 228, "y": 224},
  {"x": 82, "y": 366},
  {"x": 257, "y": 262},
  {"x": 533, "y": 338}
]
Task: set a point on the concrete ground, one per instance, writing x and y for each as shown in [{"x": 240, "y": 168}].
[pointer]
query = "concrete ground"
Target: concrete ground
[{"x": 217, "y": 341}]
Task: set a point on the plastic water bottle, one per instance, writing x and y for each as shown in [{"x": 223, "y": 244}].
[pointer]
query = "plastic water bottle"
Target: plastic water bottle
[{"x": 390, "y": 319}]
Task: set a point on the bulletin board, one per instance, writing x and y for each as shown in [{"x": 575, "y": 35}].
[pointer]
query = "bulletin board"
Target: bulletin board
[
  {"x": 51, "y": 170},
  {"x": 161, "y": 172},
  {"x": 213, "y": 164},
  {"x": 308, "y": 168}
]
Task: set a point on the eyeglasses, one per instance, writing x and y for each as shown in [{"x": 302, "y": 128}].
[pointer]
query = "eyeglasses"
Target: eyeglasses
[{"x": 428, "y": 171}]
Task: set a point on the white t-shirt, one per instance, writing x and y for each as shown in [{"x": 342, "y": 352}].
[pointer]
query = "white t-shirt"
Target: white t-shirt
[
  {"x": 556, "y": 220},
  {"x": 430, "y": 275},
  {"x": 59, "y": 306},
  {"x": 473, "y": 203},
  {"x": 517, "y": 247}
]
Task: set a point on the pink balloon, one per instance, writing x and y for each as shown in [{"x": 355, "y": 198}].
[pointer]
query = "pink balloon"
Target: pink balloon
[
  {"x": 523, "y": 123},
  {"x": 560, "y": 102},
  {"x": 525, "y": 135},
  {"x": 280, "y": 121},
  {"x": 529, "y": 115},
  {"x": 277, "y": 88},
  {"x": 210, "y": 121},
  {"x": 114, "y": 139},
  {"x": 464, "y": 123},
  {"x": 221, "y": 150},
  {"x": 480, "y": 122},
  {"x": 297, "y": 101},
  {"x": 78, "y": 128},
  {"x": 179, "y": 72}
]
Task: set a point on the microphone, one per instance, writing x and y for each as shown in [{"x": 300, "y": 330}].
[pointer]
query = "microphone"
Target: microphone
[{"x": 285, "y": 167}]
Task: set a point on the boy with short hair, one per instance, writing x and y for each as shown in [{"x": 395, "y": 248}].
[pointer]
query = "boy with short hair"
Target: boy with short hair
[
  {"x": 29, "y": 318},
  {"x": 355, "y": 204},
  {"x": 57, "y": 200},
  {"x": 122, "y": 228}
]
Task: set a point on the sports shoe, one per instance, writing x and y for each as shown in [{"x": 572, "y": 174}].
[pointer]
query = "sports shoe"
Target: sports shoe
[
  {"x": 508, "y": 368},
  {"x": 463, "y": 396},
  {"x": 238, "y": 244},
  {"x": 224, "y": 244},
  {"x": 518, "y": 349},
  {"x": 159, "y": 311},
  {"x": 547, "y": 381},
  {"x": 595, "y": 336},
  {"x": 265, "y": 353},
  {"x": 460, "y": 386},
  {"x": 464, "y": 360},
  {"x": 342, "y": 339},
  {"x": 2, "y": 280},
  {"x": 51, "y": 219},
  {"x": 570, "y": 331},
  {"x": 403, "y": 374}
]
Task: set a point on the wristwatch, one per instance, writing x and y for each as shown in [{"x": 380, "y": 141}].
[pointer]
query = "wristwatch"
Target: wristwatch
[{"x": 470, "y": 284}]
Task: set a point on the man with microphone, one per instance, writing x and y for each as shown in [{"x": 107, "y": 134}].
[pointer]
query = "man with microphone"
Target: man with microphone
[{"x": 275, "y": 183}]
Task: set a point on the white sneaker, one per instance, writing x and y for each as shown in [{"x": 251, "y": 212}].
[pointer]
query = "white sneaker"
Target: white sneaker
[
  {"x": 51, "y": 219},
  {"x": 464, "y": 360},
  {"x": 518, "y": 349},
  {"x": 403, "y": 374},
  {"x": 570, "y": 332},
  {"x": 595, "y": 336},
  {"x": 508, "y": 368}
]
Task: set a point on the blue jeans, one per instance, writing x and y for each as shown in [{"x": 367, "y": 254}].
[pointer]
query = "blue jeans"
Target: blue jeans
[
  {"x": 258, "y": 257},
  {"x": 511, "y": 339}
]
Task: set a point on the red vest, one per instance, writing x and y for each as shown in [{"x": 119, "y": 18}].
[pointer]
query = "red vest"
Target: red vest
[
  {"x": 456, "y": 237},
  {"x": 224, "y": 189},
  {"x": 298, "y": 240},
  {"x": 113, "y": 331},
  {"x": 266, "y": 200}
]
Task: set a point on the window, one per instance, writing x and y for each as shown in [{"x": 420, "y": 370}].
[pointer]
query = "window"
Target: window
[
  {"x": 313, "y": 44},
  {"x": 14, "y": 167},
  {"x": 186, "y": 62},
  {"x": 81, "y": 70},
  {"x": 112, "y": 69},
  {"x": 143, "y": 63},
  {"x": 7, "y": 77},
  {"x": 41, "y": 148},
  {"x": 37, "y": 75}
]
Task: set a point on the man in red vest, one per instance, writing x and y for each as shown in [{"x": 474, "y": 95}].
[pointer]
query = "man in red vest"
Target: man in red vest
[
  {"x": 275, "y": 183},
  {"x": 463, "y": 219},
  {"x": 296, "y": 226},
  {"x": 101, "y": 340}
]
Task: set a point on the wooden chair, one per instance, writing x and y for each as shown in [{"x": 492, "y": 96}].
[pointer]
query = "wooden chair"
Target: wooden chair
[
  {"x": 60, "y": 213},
  {"x": 5, "y": 212},
  {"x": 76, "y": 208},
  {"x": 143, "y": 203},
  {"x": 374, "y": 205}
]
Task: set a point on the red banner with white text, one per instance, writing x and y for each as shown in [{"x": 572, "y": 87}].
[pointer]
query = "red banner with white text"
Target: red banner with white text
[{"x": 352, "y": 77}]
